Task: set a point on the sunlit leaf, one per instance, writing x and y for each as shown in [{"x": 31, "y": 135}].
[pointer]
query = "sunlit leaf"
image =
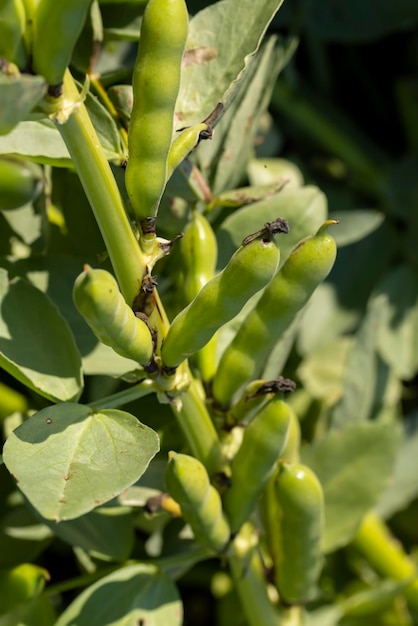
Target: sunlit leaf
[{"x": 68, "y": 459}]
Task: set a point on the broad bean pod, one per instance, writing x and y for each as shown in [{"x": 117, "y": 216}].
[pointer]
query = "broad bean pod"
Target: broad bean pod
[
  {"x": 199, "y": 252},
  {"x": 308, "y": 265},
  {"x": 299, "y": 532},
  {"x": 57, "y": 26},
  {"x": 97, "y": 297},
  {"x": 156, "y": 82},
  {"x": 183, "y": 145},
  {"x": 188, "y": 483},
  {"x": 20, "y": 182},
  {"x": 250, "y": 268},
  {"x": 256, "y": 394},
  {"x": 264, "y": 439}
]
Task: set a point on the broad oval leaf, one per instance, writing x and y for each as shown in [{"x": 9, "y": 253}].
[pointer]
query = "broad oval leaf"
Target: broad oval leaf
[
  {"x": 68, "y": 459},
  {"x": 354, "y": 466},
  {"x": 36, "y": 344},
  {"x": 137, "y": 594}
]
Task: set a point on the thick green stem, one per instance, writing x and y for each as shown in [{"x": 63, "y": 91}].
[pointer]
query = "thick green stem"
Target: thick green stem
[
  {"x": 103, "y": 193},
  {"x": 199, "y": 431},
  {"x": 250, "y": 584},
  {"x": 386, "y": 555}
]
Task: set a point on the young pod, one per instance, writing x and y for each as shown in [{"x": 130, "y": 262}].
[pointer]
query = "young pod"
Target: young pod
[
  {"x": 299, "y": 532},
  {"x": 251, "y": 267},
  {"x": 308, "y": 265},
  {"x": 188, "y": 483},
  {"x": 20, "y": 182},
  {"x": 57, "y": 26},
  {"x": 264, "y": 439},
  {"x": 183, "y": 145},
  {"x": 97, "y": 297},
  {"x": 156, "y": 82},
  {"x": 199, "y": 252}
]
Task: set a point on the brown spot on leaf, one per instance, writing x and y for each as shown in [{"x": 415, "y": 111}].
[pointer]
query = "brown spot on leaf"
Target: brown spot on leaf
[{"x": 199, "y": 56}]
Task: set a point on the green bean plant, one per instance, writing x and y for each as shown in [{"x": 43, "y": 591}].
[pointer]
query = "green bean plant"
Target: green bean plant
[{"x": 193, "y": 402}]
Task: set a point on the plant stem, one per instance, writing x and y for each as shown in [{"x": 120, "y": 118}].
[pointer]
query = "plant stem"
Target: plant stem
[
  {"x": 120, "y": 398},
  {"x": 199, "y": 431},
  {"x": 103, "y": 194},
  {"x": 386, "y": 555},
  {"x": 250, "y": 584}
]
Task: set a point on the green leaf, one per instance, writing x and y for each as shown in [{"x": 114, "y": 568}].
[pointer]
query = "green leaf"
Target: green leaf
[
  {"x": 55, "y": 275},
  {"x": 397, "y": 300},
  {"x": 22, "y": 536},
  {"x": 19, "y": 95},
  {"x": 355, "y": 225},
  {"x": 304, "y": 208},
  {"x": 360, "y": 380},
  {"x": 137, "y": 594},
  {"x": 354, "y": 466},
  {"x": 322, "y": 371},
  {"x": 403, "y": 487},
  {"x": 36, "y": 345},
  {"x": 218, "y": 49},
  {"x": 68, "y": 459},
  {"x": 224, "y": 159},
  {"x": 268, "y": 171},
  {"x": 105, "y": 533},
  {"x": 41, "y": 141}
]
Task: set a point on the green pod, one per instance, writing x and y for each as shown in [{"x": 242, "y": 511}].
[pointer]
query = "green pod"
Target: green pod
[
  {"x": 156, "y": 82},
  {"x": 57, "y": 26},
  {"x": 299, "y": 532},
  {"x": 183, "y": 145},
  {"x": 199, "y": 252},
  {"x": 251, "y": 267},
  {"x": 188, "y": 483},
  {"x": 308, "y": 265},
  {"x": 97, "y": 297},
  {"x": 20, "y": 182},
  {"x": 264, "y": 439},
  {"x": 13, "y": 26}
]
